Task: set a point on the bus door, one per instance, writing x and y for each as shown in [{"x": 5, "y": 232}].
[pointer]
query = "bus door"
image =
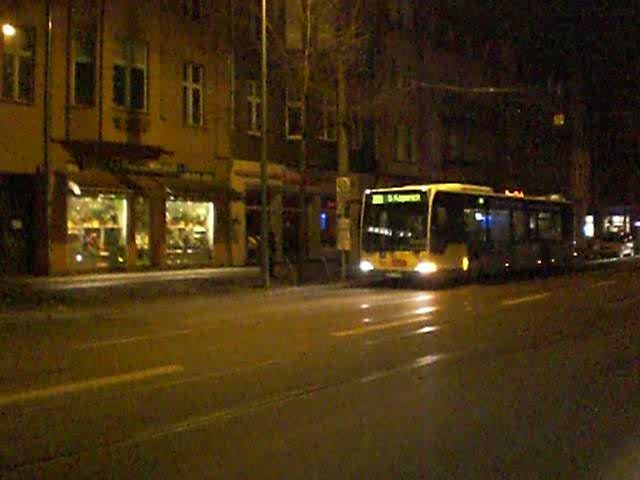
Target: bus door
[
  {"x": 499, "y": 231},
  {"x": 449, "y": 236}
]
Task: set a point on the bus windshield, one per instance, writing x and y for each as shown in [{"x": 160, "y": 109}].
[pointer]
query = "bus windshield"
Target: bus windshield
[{"x": 395, "y": 221}]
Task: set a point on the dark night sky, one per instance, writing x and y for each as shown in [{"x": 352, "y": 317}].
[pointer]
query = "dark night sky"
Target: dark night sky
[{"x": 598, "y": 41}]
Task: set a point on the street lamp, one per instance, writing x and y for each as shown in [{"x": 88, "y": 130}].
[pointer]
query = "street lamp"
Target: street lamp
[{"x": 8, "y": 30}]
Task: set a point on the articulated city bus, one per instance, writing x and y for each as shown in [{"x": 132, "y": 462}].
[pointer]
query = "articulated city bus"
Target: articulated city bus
[{"x": 428, "y": 230}]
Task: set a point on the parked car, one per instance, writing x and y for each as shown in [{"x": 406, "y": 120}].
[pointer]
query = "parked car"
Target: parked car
[{"x": 612, "y": 245}]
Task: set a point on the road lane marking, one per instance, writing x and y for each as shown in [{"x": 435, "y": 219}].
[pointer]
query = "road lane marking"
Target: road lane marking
[
  {"x": 139, "y": 338},
  {"x": 417, "y": 363},
  {"x": 528, "y": 298},
  {"x": 604, "y": 282},
  {"x": 206, "y": 420},
  {"x": 205, "y": 376},
  {"x": 382, "y": 326},
  {"x": 92, "y": 384}
]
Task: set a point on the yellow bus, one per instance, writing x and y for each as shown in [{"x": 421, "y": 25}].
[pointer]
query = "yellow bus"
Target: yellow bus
[{"x": 453, "y": 228}]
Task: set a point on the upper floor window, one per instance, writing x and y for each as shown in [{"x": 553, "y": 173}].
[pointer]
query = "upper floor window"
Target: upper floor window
[
  {"x": 400, "y": 14},
  {"x": 84, "y": 68},
  {"x": 254, "y": 99},
  {"x": 192, "y": 91},
  {"x": 18, "y": 64},
  {"x": 130, "y": 75},
  {"x": 328, "y": 129},
  {"x": 404, "y": 144},
  {"x": 193, "y": 9},
  {"x": 293, "y": 118},
  {"x": 397, "y": 74},
  {"x": 255, "y": 22}
]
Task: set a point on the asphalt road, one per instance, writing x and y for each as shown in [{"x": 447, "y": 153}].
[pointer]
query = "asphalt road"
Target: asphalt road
[{"x": 531, "y": 378}]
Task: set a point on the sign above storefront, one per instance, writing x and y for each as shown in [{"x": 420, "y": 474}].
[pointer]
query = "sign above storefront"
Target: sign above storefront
[{"x": 124, "y": 166}]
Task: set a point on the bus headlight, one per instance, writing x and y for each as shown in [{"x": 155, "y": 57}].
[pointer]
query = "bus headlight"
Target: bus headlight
[
  {"x": 366, "y": 266},
  {"x": 426, "y": 267},
  {"x": 465, "y": 264}
]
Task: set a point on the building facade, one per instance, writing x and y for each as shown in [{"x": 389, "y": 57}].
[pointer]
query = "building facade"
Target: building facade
[
  {"x": 119, "y": 128},
  {"x": 136, "y": 127}
]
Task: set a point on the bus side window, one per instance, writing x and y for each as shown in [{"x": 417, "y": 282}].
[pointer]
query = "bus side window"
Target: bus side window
[
  {"x": 567, "y": 224},
  {"x": 520, "y": 223},
  {"x": 500, "y": 228},
  {"x": 447, "y": 224},
  {"x": 475, "y": 223},
  {"x": 533, "y": 225},
  {"x": 550, "y": 225}
]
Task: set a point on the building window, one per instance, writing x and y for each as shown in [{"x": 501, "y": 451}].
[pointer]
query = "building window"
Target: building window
[
  {"x": 293, "y": 118},
  {"x": 130, "y": 75},
  {"x": 406, "y": 15},
  {"x": 400, "y": 14},
  {"x": 329, "y": 131},
  {"x": 393, "y": 12},
  {"x": 454, "y": 147},
  {"x": 255, "y": 109},
  {"x": 190, "y": 227},
  {"x": 193, "y": 9},
  {"x": 192, "y": 91},
  {"x": 404, "y": 151},
  {"x": 18, "y": 65},
  {"x": 255, "y": 22},
  {"x": 97, "y": 231},
  {"x": 84, "y": 69}
]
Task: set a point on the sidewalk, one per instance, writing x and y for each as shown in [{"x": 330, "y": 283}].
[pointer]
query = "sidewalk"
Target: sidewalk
[
  {"x": 34, "y": 291},
  {"x": 30, "y": 292}
]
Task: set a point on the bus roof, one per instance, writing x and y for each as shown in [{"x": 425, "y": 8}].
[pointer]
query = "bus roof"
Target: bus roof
[{"x": 473, "y": 189}]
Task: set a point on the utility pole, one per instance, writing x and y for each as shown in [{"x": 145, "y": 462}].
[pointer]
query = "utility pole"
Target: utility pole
[
  {"x": 46, "y": 132},
  {"x": 343, "y": 164},
  {"x": 264, "y": 164},
  {"x": 302, "y": 163}
]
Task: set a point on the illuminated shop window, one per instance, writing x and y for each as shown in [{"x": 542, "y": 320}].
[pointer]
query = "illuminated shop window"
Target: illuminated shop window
[
  {"x": 190, "y": 230},
  {"x": 97, "y": 231},
  {"x": 616, "y": 224},
  {"x": 589, "y": 228}
]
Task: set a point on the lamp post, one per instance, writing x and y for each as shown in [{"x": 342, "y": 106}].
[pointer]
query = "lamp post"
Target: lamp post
[{"x": 264, "y": 163}]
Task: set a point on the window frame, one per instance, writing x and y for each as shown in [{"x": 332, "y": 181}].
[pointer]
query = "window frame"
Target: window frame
[
  {"x": 16, "y": 56},
  {"x": 404, "y": 144},
  {"x": 293, "y": 104},
  {"x": 254, "y": 98},
  {"x": 189, "y": 10},
  {"x": 76, "y": 47},
  {"x": 189, "y": 87},
  {"x": 328, "y": 111},
  {"x": 126, "y": 58}
]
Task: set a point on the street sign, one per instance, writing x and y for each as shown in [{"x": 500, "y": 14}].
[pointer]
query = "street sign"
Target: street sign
[{"x": 344, "y": 234}]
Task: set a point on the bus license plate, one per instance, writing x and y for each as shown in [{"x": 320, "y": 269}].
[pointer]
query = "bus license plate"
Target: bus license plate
[{"x": 394, "y": 275}]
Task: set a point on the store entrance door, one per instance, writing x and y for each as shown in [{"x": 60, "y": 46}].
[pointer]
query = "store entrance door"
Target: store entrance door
[
  {"x": 16, "y": 225},
  {"x": 253, "y": 234}
]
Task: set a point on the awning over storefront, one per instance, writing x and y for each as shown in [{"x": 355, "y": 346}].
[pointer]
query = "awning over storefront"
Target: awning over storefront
[
  {"x": 180, "y": 188},
  {"x": 83, "y": 180},
  {"x": 95, "y": 180},
  {"x": 92, "y": 150},
  {"x": 187, "y": 188},
  {"x": 143, "y": 185}
]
